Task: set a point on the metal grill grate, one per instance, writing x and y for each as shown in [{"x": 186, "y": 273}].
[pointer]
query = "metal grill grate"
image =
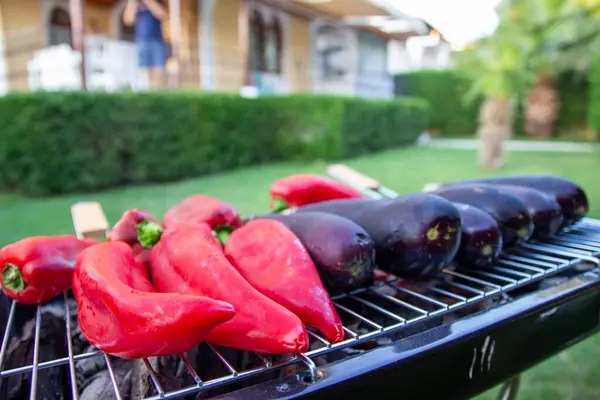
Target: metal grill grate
[{"x": 386, "y": 309}]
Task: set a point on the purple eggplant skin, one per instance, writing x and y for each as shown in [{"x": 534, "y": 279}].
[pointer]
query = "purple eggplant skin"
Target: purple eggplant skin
[
  {"x": 343, "y": 252},
  {"x": 415, "y": 234},
  {"x": 571, "y": 197},
  {"x": 481, "y": 239},
  {"x": 544, "y": 209},
  {"x": 512, "y": 215}
]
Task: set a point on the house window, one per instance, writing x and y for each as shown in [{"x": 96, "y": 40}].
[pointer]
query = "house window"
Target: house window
[
  {"x": 372, "y": 52},
  {"x": 257, "y": 42},
  {"x": 332, "y": 52},
  {"x": 273, "y": 47},
  {"x": 266, "y": 44},
  {"x": 60, "y": 27}
]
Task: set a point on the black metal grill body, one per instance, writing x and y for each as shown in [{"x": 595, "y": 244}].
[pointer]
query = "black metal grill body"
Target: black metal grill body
[
  {"x": 452, "y": 337},
  {"x": 461, "y": 359}
]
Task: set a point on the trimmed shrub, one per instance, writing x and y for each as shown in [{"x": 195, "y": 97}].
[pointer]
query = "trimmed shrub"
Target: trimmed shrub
[
  {"x": 451, "y": 116},
  {"x": 594, "y": 98},
  {"x": 65, "y": 142},
  {"x": 445, "y": 90}
]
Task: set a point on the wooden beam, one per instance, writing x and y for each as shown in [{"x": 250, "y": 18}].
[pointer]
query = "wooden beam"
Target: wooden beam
[
  {"x": 244, "y": 40},
  {"x": 175, "y": 22},
  {"x": 77, "y": 12}
]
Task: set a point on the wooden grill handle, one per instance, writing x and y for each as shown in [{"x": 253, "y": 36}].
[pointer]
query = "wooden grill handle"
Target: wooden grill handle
[
  {"x": 352, "y": 177},
  {"x": 89, "y": 220}
]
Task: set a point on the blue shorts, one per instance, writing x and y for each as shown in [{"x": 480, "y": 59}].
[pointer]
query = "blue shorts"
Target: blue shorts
[{"x": 151, "y": 53}]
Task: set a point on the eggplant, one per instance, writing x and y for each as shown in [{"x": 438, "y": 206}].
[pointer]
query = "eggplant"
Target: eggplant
[
  {"x": 512, "y": 215},
  {"x": 481, "y": 239},
  {"x": 571, "y": 197},
  {"x": 415, "y": 234},
  {"x": 544, "y": 210},
  {"x": 343, "y": 252}
]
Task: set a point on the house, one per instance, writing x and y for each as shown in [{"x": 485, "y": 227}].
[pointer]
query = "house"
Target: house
[{"x": 275, "y": 46}]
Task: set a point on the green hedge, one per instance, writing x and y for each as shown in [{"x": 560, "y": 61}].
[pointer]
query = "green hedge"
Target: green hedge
[
  {"x": 594, "y": 100},
  {"x": 451, "y": 116},
  {"x": 445, "y": 91},
  {"x": 80, "y": 141}
]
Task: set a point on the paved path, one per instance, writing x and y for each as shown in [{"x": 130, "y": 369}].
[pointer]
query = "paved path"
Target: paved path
[{"x": 515, "y": 145}]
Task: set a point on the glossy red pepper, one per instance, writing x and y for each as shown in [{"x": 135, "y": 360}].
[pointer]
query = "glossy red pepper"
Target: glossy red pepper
[
  {"x": 38, "y": 268},
  {"x": 133, "y": 228},
  {"x": 299, "y": 190},
  {"x": 120, "y": 313},
  {"x": 220, "y": 216},
  {"x": 189, "y": 259},
  {"x": 276, "y": 263}
]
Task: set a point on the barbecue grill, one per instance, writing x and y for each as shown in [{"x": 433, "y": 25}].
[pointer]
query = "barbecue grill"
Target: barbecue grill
[{"x": 454, "y": 337}]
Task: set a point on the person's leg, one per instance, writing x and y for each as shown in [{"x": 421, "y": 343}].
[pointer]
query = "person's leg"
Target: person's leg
[
  {"x": 145, "y": 60},
  {"x": 157, "y": 66}
]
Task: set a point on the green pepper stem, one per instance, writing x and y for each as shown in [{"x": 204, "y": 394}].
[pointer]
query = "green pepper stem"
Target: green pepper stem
[
  {"x": 149, "y": 233},
  {"x": 222, "y": 233},
  {"x": 12, "y": 278},
  {"x": 279, "y": 205}
]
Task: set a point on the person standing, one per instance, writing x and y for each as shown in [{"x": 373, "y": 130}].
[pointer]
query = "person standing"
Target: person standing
[{"x": 147, "y": 16}]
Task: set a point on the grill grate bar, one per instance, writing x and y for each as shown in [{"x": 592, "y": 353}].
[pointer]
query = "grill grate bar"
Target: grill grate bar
[
  {"x": 223, "y": 360},
  {"x": 351, "y": 333},
  {"x": 578, "y": 238},
  {"x": 558, "y": 250},
  {"x": 72, "y": 374},
  {"x": 472, "y": 279},
  {"x": 401, "y": 302},
  {"x": 264, "y": 360},
  {"x": 377, "y": 308},
  {"x": 556, "y": 261},
  {"x": 190, "y": 369},
  {"x": 512, "y": 271},
  {"x": 450, "y": 294},
  {"x": 480, "y": 293},
  {"x": 49, "y": 364},
  {"x": 6, "y": 337},
  {"x": 319, "y": 338},
  {"x": 357, "y": 315},
  {"x": 36, "y": 350},
  {"x": 576, "y": 244},
  {"x": 154, "y": 377},
  {"x": 113, "y": 379},
  {"x": 515, "y": 264},
  {"x": 422, "y": 297},
  {"x": 492, "y": 275}
]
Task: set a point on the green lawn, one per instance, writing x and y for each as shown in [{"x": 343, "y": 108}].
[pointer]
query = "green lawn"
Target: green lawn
[{"x": 574, "y": 374}]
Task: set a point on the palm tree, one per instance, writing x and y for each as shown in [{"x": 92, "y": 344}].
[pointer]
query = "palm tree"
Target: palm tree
[
  {"x": 498, "y": 71},
  {"x": 561, "y": 34}
]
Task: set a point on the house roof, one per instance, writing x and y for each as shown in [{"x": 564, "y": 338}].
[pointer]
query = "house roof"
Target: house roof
[{"x": 344, "y": 8}]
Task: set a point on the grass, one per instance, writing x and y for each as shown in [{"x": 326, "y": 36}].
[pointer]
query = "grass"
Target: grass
[{"x": 573, "y": 374}]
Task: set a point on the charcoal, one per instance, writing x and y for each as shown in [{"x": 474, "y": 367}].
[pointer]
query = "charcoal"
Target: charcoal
[
  {"x": 100, "y": 387},
  {"x": 52, "y": 383}
]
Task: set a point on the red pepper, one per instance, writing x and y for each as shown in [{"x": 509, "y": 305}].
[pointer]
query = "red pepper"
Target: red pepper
[
  {"x": 133, "y": 228},
  {"x": 120, "y": 313},
  {"x": 220, "y": 216},
  {"x": 299, "y": 190},
  {"x": 276, "y": 263},
  {"x": 189, "y": 259},
  {"x": 38, "y": 268}
]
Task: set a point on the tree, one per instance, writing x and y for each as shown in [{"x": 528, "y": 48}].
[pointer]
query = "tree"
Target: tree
[{"x": 535, "y": 41}]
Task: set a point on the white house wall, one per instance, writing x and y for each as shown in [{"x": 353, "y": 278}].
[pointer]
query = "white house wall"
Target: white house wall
[
  {"x": 3, "y": 77},
  {"x": 344, "y": 85}
]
